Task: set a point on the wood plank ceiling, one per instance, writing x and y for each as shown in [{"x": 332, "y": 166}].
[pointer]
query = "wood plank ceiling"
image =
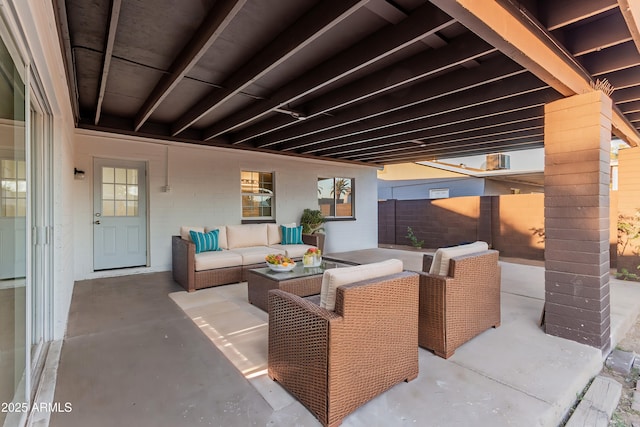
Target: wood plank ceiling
[{"x": 376, "y": 81}]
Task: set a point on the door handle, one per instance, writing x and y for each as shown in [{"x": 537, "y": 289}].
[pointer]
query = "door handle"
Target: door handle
[{"x": 97, "y": 222}]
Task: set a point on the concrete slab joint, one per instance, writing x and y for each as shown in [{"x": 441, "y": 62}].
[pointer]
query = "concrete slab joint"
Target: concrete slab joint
[{"x": 577, "y": 143}]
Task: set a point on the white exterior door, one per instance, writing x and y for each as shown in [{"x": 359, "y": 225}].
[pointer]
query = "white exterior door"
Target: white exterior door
[{"x": 119, "y": 214}]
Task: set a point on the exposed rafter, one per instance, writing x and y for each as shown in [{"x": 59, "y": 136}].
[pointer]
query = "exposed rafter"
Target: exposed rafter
[
  {"x": 511, "y": 32},
  {"x": 562, "y": 13},
  {"x": 326, "y": 15},
  {"x": 444, "y": 125},
  {"x": 374, "y": 81},
  {"x": 424, "y": 21},
  {"x": 114, "y": 16},
  {"x": 611, "y": 31},
  {"x": 461, "y": 50},
  {"x": 418, "y": 153},
  {"x": 612, "y": 59},
  {"x": 422, "y": 93},
  {"x": 216, "y": 21}
]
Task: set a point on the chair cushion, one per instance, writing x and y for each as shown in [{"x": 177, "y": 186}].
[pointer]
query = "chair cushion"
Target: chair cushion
[
  {"x": 185, "y": 229},
  {"x": 205, "y": 242},
  {"x": 440, "y": 264},
  {"x": 335, "y": 277},
  {"x": 222, "y": 235},
  {"x": 246, "y": 235},
  {"x": 293, "y": 251},
  {"x": 291, "y": 235},
  {"x": 217, "y": 259},
  {"x": 255, "y": 254}
]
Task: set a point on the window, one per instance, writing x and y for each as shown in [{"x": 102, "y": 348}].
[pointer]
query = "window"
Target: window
[
  {"x": 13, "y": 199},
  {"x": 335, "y": 197},
  {"x": 258, "y": 195},
  {"x": 119, "y": 192}
]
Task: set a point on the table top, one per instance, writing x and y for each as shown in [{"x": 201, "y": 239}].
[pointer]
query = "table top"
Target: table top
[{"x": 298, "y": 271}]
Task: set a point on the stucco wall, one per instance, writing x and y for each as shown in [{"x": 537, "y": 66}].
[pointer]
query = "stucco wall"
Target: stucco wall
[{"x": 205, "y": 190}]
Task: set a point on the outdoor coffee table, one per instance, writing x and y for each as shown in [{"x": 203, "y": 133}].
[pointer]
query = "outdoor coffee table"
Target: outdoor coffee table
[{"x": 302, "y": 281}]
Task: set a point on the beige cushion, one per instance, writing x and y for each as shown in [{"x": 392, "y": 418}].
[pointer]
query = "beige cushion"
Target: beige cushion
[
  {"x": 217, "y": 259},
  {"x": 335, "y": 277},
  {"x": 255, "y": 254},
  {"x": 440, "y": 264},
  {"x": 293, "y": 251},
  {"x": 222, "y": 235},
  {"x": 184, "y": 231},
  {"x": 274, "y": 233},
  {"x": 246, "y": 235}
]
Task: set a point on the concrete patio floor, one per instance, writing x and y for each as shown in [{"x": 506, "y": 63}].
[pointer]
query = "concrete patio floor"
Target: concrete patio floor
[{"x": 133, "y": 357}]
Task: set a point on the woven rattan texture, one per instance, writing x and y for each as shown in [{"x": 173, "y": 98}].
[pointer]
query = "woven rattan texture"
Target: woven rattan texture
[
  {"x": 334, "y": 362},
  {"x": 460, "y": 306},
  {"x": 183, "y": 266},
  {"x": 258, "y": 287}
]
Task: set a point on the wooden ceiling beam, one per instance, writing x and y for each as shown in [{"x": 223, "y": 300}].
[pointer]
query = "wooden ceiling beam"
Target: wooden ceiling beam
[
  {"x": 630, "y": 107},
  {"x": 514, "y": 108},
  {"x": 626, "y": 95},
  {"x": 322, "y": 18},
  {"x": 595, "y": 36},
  {"x": 510, "y": 121},
  {"x": 624, "y": 79},
  {"x": 213, "y": 25},
  {"x": 559, "y": 14},
  {"x": 486, "y": 132},
  {"x": 631, "y": 12},
  {"x": 418, "y": 103},
  {"x": 114, "y": 16},
  {"x": 515, "y": 34},
  {"x": 612, "y": 59},
  {"x": 459, "y": 51},
  {"x": 454, "y": 150},
  {"x": 425, "y": 20},
  {"x": 526, "y": 145}
]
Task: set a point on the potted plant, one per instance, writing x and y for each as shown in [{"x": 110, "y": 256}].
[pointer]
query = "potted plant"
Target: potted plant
[{"x": 311, "y": 222}]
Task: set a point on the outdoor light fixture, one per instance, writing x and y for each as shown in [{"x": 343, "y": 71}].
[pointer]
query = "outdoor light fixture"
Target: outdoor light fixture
[
  {"x": 78, "y": 174},
  {"x": 293, "y": 113}
]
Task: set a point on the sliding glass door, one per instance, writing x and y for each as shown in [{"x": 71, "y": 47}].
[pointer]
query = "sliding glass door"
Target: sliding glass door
[{"x": 13, "y": 234}]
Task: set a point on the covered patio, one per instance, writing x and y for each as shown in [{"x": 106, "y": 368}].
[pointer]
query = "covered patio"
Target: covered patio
[
  {"x": 132, "y": 356},
  {"x": 198, "y": 113}
]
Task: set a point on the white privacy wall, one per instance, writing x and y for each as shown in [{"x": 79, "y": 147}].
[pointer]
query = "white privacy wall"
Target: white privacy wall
[{"x": 205, "y": 190}]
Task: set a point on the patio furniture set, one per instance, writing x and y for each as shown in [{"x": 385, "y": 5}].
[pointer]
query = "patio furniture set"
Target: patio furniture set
[
  {"x": 238, "y": 249},
  {"x": 340, "y": 335}
]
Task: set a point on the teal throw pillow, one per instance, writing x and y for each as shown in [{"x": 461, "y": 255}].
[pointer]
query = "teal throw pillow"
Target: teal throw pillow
[
  {"x": 291, "y": 235},
  {"x": 205, "y": 242}
]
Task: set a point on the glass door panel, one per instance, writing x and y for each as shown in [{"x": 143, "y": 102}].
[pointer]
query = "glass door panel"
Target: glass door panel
[{"x": 13, "y": 234}]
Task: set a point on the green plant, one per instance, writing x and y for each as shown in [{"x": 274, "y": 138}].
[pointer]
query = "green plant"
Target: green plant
[
  {"x": 628, "y": 232},
  {"x": 414, "y": 240},
  {"x": 624, "y": 274},
  {"x": 311, "y": 221},
  {"x": 628, "y": 235}
]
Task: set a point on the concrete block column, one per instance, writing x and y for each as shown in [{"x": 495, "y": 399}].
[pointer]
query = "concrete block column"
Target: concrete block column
[{"x": 576, "y": 178}]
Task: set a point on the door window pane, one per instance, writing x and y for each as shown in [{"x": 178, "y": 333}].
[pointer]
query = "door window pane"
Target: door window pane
[{"x": 119, "y": 192}]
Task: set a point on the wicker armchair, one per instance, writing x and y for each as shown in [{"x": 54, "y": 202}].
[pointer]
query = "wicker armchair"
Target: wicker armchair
[
  {"x": 459, "y": 306},
  {"x": 335, "y": 361}
]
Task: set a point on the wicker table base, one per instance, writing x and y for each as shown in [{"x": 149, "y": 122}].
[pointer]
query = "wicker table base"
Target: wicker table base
[{"x": 301, "y": 281}]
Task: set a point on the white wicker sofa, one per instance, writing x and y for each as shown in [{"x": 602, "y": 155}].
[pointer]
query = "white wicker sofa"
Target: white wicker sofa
[{"x": 242, "y": 247}]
